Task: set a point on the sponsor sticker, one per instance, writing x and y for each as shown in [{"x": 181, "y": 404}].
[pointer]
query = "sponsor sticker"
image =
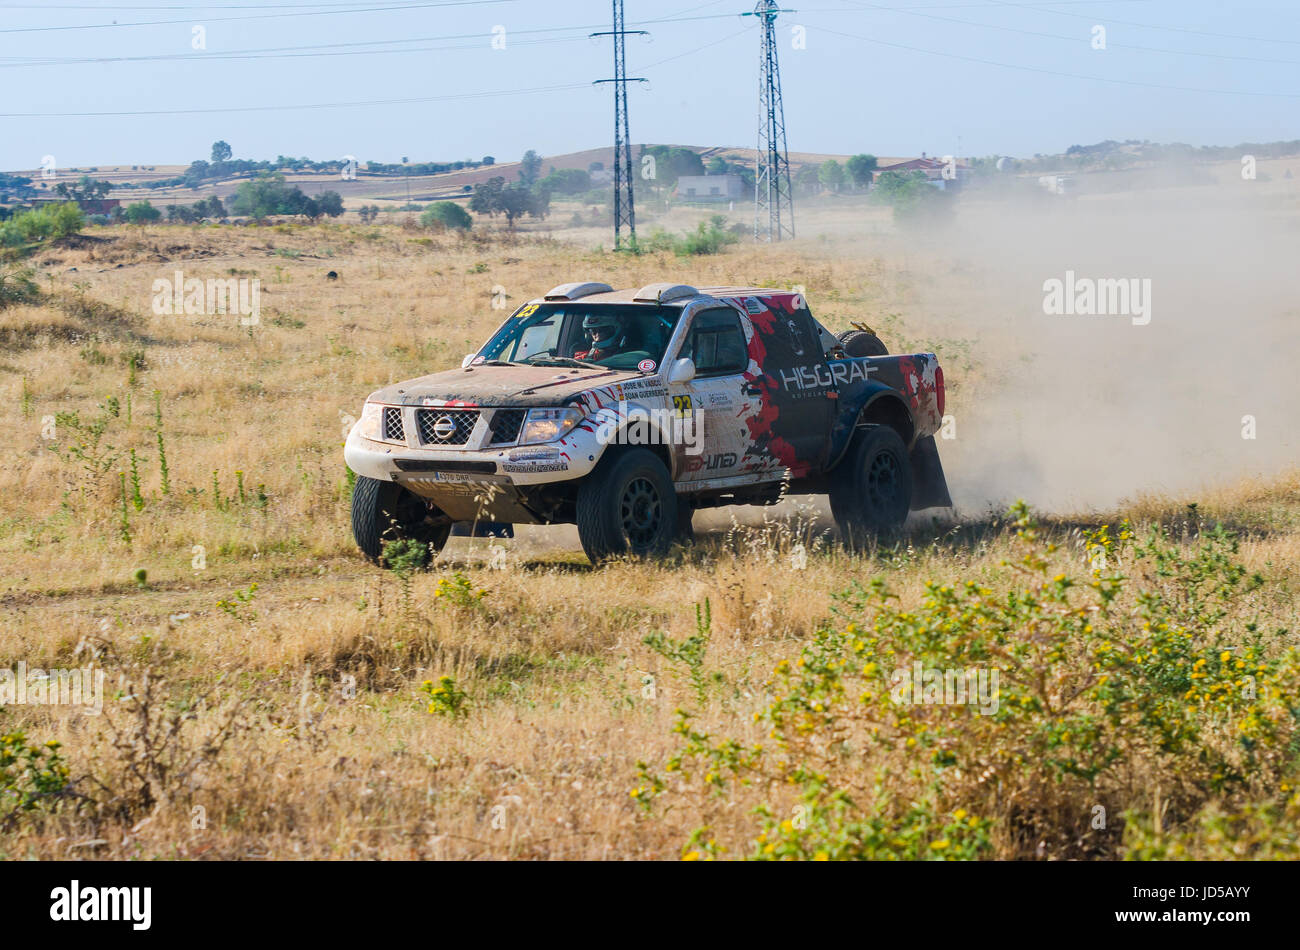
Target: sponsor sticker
[
  {"x": 723, "y": 460},
  {"x": 646, "y": 366},
  {"x": 533, "y": 468},
  {"x": 754, "y": 305},
  {"x": 642, "y": 387}
]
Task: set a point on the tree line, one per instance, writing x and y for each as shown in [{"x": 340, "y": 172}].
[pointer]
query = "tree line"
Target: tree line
[{"x": 221, "y": 164}]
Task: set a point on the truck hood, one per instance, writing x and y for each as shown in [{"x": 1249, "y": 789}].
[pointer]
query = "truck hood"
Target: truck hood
[{"x": 529, "y": 386}]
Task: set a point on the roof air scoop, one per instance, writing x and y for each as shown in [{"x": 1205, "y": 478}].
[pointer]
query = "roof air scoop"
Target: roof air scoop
[
  {"x": 577, "y": 291},
  {"x": 664, "y": 293}
]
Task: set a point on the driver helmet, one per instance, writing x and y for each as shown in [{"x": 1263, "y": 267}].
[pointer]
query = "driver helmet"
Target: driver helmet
[{"x": 603, "y": 329}]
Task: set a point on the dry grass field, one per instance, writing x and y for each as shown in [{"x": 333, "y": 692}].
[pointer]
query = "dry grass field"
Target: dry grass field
[{"x": 264, "y": 691}]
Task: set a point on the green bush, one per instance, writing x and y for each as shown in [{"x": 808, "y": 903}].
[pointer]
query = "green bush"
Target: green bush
[
  {"x": 141, "y": 212},
  {"x": 269, "y": 194},
  {"x": 46, "y": 223},
  {"x": 445, "y": 697},
  {"x": 567, "y": 181},
  {"x": 31, "y": 776},
  {"x": 446, "y": 214},
  {"x": 709, "y": 238}
]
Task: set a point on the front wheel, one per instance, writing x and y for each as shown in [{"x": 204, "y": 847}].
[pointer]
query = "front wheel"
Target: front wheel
[
  {"x": 385, "y": 511},
  {"x": 871, "y": 493},
  {"x": 627, "y": 506}
]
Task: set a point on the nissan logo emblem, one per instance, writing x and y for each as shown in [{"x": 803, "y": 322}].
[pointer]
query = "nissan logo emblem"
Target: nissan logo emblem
[{"x": 445, "y": 427}]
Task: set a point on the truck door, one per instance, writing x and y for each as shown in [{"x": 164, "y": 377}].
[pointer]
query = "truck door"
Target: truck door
[
  {"x": 714, "y": 400},
  {"x": 796, "y": 391}
]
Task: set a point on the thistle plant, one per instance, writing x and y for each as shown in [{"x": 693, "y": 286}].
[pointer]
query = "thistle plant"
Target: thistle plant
[
  {"x": 124, "y": 525},
  {"x": 137, "y": 499},
  {"x": 404, "y": 557},
  {"x": 162, "y": 448}
]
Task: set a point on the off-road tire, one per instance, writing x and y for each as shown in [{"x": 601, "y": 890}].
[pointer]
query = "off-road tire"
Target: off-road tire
[
  {"x": 862, "y": 343},
  {"x": 385, "y": 511},
  {"x": 871, "y": 489},
  {"x": 627, "y": 506}
]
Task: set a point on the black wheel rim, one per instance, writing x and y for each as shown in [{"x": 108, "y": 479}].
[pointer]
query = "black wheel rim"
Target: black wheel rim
[
  {"x": 883, "y": 482},
  {"x": 640, "y": 512}
]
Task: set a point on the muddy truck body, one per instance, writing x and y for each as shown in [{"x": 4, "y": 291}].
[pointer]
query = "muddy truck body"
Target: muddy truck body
[{"x": 704, "y": 398}]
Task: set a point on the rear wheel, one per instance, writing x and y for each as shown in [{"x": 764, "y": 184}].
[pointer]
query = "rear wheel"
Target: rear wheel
[
  {"x": 627, "y": 506},
  {"x": 385, "y": 511},
  {"x": 871, "y": 492}
]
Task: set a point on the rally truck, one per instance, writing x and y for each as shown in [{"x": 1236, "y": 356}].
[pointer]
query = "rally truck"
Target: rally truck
[{"x": 626, "y": 411}]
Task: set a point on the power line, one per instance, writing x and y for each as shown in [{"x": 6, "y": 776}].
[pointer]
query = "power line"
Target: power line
[
  {"x": 215, "y": 57},
  {"x": 258, "y": 52},
  {"x": 342, "y": 105},
  {"x": 258, "y": 16},
  {"x": 1153, "y": 26},
  {"x": 273, "y": 51},
  {"x": 385, "y": 6},
  {"x": 1055, "y": 72},
  {"x": 100, "y": 8},
  {"x": 353, "y": 3},
  {"x": 17, "y": 62},
  {"x": 870, "y": 7},
  {"x": 672, "y": 19},
  {"x": 692, "y": 52},
  {"x": 317, "y": 105},
  {"x": 340, "y": 49}
]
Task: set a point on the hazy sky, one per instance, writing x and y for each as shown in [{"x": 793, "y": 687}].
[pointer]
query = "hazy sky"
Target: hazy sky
[{"x": 892, "y": 77}]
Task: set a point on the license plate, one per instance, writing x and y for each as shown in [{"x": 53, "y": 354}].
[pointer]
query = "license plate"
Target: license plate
[{"x": 458, "y": 477}]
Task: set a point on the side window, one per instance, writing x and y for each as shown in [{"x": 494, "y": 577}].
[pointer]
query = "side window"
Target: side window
[{"x": 717, "y": 344}]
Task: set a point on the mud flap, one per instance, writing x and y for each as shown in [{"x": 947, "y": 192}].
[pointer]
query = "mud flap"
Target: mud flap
[
  {"x": 482, "y": 529},
  {"x": 929, "y": 487}
]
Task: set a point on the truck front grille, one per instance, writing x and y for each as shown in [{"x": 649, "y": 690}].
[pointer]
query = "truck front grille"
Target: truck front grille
[
  {"x": 445, "y": 426},
  {"x": 505, "y": 425},
  {"x": 393, "y": 429}
]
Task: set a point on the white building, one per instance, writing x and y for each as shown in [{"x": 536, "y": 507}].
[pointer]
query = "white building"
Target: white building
[{"x": 710, "y": 188}]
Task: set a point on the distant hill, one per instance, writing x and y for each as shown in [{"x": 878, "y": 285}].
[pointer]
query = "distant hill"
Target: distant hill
[
  {"x": 157, "y": 184},
  {"x": 146, "y": 183}
]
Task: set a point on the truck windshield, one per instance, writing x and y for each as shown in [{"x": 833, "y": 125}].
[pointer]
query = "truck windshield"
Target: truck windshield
[{"x": 618, "y": 336}]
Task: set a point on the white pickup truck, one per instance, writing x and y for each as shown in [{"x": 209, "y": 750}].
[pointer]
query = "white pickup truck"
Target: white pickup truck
[{"x": 625, "y": 411}]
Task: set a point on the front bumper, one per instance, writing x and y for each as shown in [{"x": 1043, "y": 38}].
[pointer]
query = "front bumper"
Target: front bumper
[{"x": 475, "y": 484}]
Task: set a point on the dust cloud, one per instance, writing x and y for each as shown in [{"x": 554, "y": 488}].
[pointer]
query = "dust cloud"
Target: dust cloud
[{"x": 1075, "y": 412}]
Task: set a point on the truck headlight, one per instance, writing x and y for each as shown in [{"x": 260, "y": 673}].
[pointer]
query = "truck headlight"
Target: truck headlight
[
  {"x": 372, "y": 421},
  {"x": 547, "y": 425}
]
